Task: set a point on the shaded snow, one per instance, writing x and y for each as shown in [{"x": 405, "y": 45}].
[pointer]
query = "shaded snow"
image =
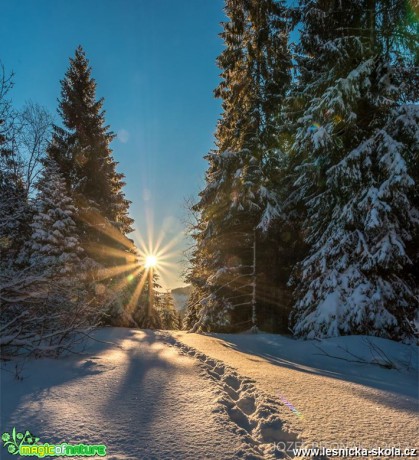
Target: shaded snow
[
  {"x": 160, "y": 395},
  {"x": 141, "y": 398},
  {"x": 339, "y": 401}
]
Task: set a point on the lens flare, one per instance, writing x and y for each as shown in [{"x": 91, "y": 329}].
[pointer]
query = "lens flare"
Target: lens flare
[
  {"x": 290, "y": 406},
  {"x": 314, "y": 127}
]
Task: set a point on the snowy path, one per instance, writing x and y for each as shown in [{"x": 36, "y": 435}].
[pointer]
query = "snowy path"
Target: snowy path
[
  {"x": 336, "y": 403},
  {"x": 144, "y": 400},
  {"x": 172, "y": 395}
]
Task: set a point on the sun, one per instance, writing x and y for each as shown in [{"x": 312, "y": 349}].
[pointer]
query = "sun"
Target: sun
[{"x": 150, "y": 261}]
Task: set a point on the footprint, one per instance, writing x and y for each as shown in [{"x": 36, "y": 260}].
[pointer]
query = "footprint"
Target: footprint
[
  {"x": 215, "y": 375},
  {"x": 219, "y": 369},
  {"x": 253, "y": 413},
  {"x": 226, "y": 401},
  {"x": 272, "y": 430},
  {"x": 232, "y": 381},
  {"x": 247, "y": 404},
  {"x": 232, "y": 393},
  {"x": 240, "y": 419}
]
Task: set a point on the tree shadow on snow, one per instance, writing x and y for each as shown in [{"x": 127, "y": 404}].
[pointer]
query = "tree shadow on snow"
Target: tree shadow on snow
[{"x": 398, "y": 388}]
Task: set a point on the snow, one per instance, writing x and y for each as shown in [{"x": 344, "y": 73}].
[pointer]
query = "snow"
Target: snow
[
  {"x": 356, "y": 179},
  {"x": 137, "y": 395},
  {"x": 340, "y": 402},
  {"x": 174, "y": 395}
]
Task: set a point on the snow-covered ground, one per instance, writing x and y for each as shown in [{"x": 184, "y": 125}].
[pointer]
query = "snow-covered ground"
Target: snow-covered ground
[
  {"x": 139, "y": 396},
  {"x": 335, "y": 400},
  {"x": 172, "y": 395}
]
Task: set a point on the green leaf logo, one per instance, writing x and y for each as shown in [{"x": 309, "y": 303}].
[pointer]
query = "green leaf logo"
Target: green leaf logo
[{"x": 14, "y": 440}]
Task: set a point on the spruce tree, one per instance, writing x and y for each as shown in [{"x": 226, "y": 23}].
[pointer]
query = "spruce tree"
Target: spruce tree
[
  {"x": 168, "y": 314},
  {"x": 354, "y": 155},
  {"x": 54, "y": 247},
  {"x": 240, "y": 196},
  {"x": 82, "y": 150}
]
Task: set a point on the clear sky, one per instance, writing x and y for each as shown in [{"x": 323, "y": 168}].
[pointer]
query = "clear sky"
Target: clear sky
[{"x": 154, "y": 63}]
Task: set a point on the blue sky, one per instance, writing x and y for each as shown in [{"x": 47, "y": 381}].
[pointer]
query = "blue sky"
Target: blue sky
[{"x": 154, "y": 63}]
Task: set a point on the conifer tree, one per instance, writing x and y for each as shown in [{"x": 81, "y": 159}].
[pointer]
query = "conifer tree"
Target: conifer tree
[
  {"x": 240, "y": 195},
  {"x": 82, "y": 150},
  {"x": 168, "y": 314},
  {"x": 355, "y": 152},
  {"x": 54, "y": 246},
  {"x": 15, "y": 212},
  {"x": 146, "y": 313}
]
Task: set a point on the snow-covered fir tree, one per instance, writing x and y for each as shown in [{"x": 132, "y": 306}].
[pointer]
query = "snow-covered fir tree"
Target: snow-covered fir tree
[
  {"x": 82, "y": 150},
  {"x": 356, "y": 151},
  {"x": 169, "y": 316},
  {"x": 240, "y": 195},
  {"x": 54, "y": 246}
]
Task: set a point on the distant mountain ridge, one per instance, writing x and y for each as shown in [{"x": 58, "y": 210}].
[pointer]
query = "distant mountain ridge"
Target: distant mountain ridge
[{"x": 181, "y": 296}]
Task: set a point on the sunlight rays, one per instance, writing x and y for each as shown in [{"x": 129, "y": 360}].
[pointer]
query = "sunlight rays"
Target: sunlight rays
[
  {"x": 106, "y": 273},
  {"x": 137, "y": 292},
  {"x": 135, "y": 264},
  {"x": 99, "y": 249},
  {"x": 165, "y": 250},
  {"x": 128, "y": 279},
  {"x": 94, "y": 219}
]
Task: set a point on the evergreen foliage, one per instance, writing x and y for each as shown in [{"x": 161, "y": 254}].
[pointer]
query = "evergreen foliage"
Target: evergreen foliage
[
  {"x": 312, "y": 184},
  {"x": 148, "y": 301},
  {"x": 54, "y": 245},
  {"x": 82, "y": 150},
  {"x": 15, "y": 212},
  {"x": 240, "y": 197},
  {"x": 170, "y": 318},
  {"x": 353, "y": 145},
  {"x": 323, "y": 169}
]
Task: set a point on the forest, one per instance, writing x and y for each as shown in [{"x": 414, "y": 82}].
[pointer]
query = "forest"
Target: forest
[
  {"x": 308, "y": 223},
  {"x": 67, "y": 262}
]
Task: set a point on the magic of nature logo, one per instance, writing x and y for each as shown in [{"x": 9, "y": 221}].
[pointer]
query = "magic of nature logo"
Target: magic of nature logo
[{"x": 27, "y": 445}]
